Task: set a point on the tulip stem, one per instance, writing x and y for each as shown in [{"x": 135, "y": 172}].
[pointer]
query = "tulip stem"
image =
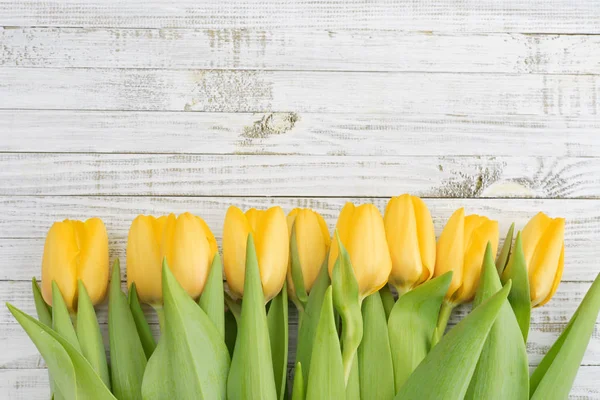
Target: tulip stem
[
  {"x": 445, "y": 312},
  {"x": 234, "y": 307}
]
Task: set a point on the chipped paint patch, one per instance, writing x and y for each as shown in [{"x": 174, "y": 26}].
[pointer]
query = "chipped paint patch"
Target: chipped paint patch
[
  {"x": 271, "y": 124},
  {"x": 464, "y": 185}
]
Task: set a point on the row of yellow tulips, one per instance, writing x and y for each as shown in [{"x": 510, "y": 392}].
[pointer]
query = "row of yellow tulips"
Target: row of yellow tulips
[{"x": 399, "y": 248}]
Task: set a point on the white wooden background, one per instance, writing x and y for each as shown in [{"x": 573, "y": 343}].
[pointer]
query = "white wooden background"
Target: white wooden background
[{"x": 114, "y": 108}]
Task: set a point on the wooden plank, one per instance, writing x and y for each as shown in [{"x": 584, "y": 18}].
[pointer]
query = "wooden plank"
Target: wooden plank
[
  {"x": 319, "y": 176},
  {"x": 18, "y": 352},
  {"x": 298, "y": 49},
  {"x": 445, "y": 15},
  {"x": 298, "y": 91},
  {"x": 355, "y": 134},
  {"x": 31, "y": 216}
]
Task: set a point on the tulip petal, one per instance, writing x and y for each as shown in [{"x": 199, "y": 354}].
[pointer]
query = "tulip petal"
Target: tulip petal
[
  {"x": 411, "y": 325},
  {"x": 545, "y": 261},
  {"x": 143, "y": 257},
  {"x": 251, "y": 373},
  {"x": 59, "y": 263},
  {"x": 342, "y": 228},
  {"x": 212, "y": 299},
  {"x": 235, "y": 232},
  {"x": 143, "y": 329},
  {"x": 127, "y": 357},
  {"x": 296, "y": 272},
  {"x": 450, "y": 250},
  {"x": 376, "y": 370},
  {"x": 73, "y": 375},
  {"x": 519, "y": 298},
  {"x": 277, "y": 321},
  {"x": 557, "y": 277},
  {"x": 312, "y": 246},
  {"x": 554, "y": 376},
  {"x": 326, "y": 376},
  {"x": 426, "y": 233},
  {"x": 309, "y": 320},
  {"x": 504, "y": 353},
  {"x": 191, "y": 360},
  {"x": 447, "y": 370},
  {"x": 93, "y": 268},
  {"x": 532, "y": 233}
]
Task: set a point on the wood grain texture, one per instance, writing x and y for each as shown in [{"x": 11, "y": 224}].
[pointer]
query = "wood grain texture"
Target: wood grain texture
[
  {"x": 445, "y": 15},
  {"x": 326, "y": 134},
  {"x": 32, "y": 216},
  {"x": 298, "y": 176},
  {"x": 298, "y": 91},
  {"x": 299, "y": 49}
]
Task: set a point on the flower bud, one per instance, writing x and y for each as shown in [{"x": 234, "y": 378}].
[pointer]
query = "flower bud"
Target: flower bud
[
  {"x": 362, "y": 232},
  {"x": 544, "y": 249},
  {"x": 270, "y": 232},
  {"x": 460, "y": 249},
  {"x": 76, "y": 250},
  {"x": 411, "y": 239},
  {"x": 188, "y": 245},
  {"x": 312, "y": 241}
]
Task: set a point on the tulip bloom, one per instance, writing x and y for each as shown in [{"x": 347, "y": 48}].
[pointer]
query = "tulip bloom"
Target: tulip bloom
[
  {"x": 270, "y": 232},
  {"x": 312, "y": 240},
  {"x": 544, "y": 249},
  {"x": 76, "y": 250},
  {"x": 411, "y": 239},
  {"x": 362, "y": 232},
  {"x": 188, "y": 245},
  {"x": 460, "y": 249}
]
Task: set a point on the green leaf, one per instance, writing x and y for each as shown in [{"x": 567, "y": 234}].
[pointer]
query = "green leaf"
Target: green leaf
[
  {"x": 519, "y": 297},
  {"x": 277, "y": 320},
  {"x": 61, "y": 320},
  {"x": 504, "y": 354},
  {"x": 44, "y": 311},
  {"x": 554, "y": 377},
  {"x": 212, "y": 299},
  {"x": 296, "y": 268},
  {"x": 127, "y": 357},
  {"x": 353, "y": 385},
  {"x": 307, "y": 328},
  {"x": 191, "y": 360},
  {"x": 298, "y": 389},
  {"x": 505, "y": 252},
  {"x": 347, "y": 303},
  {"x": 412, "y": 323},
  {"x": 326, "y": 376},
  {"x": 376, "y": 370},
  {"x": 230, "y": 331},
  {"x": 447, "y": 370},
  {"x": 88, "y": 333},
  {"x": 74, "y": 377},
  {"x": 251, "y": 373},
  {"x": 141, "y": 324},
  {"x": 388, "y": 300}
]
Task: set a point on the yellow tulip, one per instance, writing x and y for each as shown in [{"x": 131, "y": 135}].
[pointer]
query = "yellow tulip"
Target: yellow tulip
[
  {"x": 188, "y": 245},
  {"x": 460, "y": 249},
  {"x": 76, "y": 250},
  {"x": 362, "y": 232},
  {"x": 270, "y": 233},
  {"x": 544, "y": 249},
  {"x": 313, "y": 240},
  {"x": 411, "y": 239}
]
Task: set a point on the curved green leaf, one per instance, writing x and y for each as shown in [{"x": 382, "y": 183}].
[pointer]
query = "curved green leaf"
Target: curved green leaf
[
  {"x": 141, "y": 324},
  {"x": 127, "y": 357},
  {"x": 376, "y": 370},
  {"x": 326, "y": 376},
  {"x": 505, "y": 252},
  {"x": 74, "y": 377},
  {"x": 554, "y": 377},
  {"x": 61, "y": 319},
  {"x": 298, "y": 389},
  {"x": 516, "y": 271},
  {"x": 89, "y": 335},
  {"x": 191, "y": 360},
  {"x": 44, "y": 311},
  {"x": 447, "y": 370},
  {"x": 277, "y": 320},
  {"x": 251, "y": 373},
  {"x": 412, "y": 323},
  {"x": 388, "y": 300},
  {"x": 504, "y": 354},
  {"x": 212, "y": 299},
  {"x": 309, "y": 321}
]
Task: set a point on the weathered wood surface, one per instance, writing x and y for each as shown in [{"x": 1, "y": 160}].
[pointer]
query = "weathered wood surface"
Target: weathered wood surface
[
  {"x": 290, "y": 133},
  {"x": 490, "y": 105},
  {"x": 285, "y": 49},
  {"x": 298, "y": 91},
  {"x": 541, "y": 16}
]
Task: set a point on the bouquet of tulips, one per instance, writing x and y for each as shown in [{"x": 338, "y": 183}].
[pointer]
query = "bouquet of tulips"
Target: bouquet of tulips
[{"x": 373, "y": 299}]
